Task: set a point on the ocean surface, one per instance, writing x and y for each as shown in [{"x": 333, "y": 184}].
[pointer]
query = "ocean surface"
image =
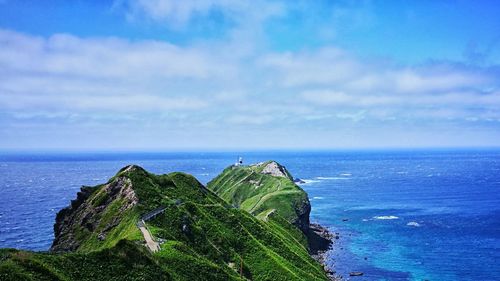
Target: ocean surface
[{"x": 400, "y": 215}]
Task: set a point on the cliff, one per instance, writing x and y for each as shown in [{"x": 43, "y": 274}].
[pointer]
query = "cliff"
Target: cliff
[
  {"x": 140, "y": 226},
  {"x": 262, "y": 189}
]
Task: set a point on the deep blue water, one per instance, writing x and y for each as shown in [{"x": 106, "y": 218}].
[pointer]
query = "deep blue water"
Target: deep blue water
[{"x": 401, "y": 215}]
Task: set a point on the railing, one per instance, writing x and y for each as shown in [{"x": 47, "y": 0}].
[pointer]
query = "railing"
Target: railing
[{"x": 153, "y": 213}]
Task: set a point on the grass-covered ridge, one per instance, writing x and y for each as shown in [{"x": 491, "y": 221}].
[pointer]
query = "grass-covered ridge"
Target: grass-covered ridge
[
  {"x": 202, "y": 237},
  {"x": 263, "y": 189}
]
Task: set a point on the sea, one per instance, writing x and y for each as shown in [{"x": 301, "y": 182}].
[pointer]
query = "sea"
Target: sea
[{"x": 398, "y": 214}]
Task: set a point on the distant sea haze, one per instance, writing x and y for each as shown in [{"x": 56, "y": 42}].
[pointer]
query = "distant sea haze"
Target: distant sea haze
[{"x": 400, "y": 215}]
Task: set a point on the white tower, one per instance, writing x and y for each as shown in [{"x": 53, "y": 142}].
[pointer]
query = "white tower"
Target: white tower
[{"x": 239, "y": 162}]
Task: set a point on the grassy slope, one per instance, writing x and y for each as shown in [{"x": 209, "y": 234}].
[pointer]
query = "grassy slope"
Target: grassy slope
[
  {"x": 245, "y": 187},
  {"x": 205, "y": 240},
  {"x": 124, "y": 261}
]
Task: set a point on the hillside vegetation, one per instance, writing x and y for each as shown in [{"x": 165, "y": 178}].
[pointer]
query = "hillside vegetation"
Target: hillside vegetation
[
  {"x": 263, "y": 189},
  {"x": 200, "y": 236}
]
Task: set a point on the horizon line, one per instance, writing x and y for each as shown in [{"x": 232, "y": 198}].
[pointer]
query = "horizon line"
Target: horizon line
[{"x": 246, "y": 150}]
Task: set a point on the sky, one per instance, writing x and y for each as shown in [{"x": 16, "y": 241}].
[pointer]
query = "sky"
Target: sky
[{"x": 151, "y": 75}]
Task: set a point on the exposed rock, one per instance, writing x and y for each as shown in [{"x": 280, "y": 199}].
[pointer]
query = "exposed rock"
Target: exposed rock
[
  {"x": 274, "y": 169},
  {"x": 101, "y": 236},
  {"x": 131, "y": 168},
  {"x": 256, "y": 183},
  {"x": 320, "y": 241},
  {"x": 319, "y": 238},
  {"x": 303, "y": 211},
  {"x": 298, "y": 181},
  {"x": 85, "y": 215},
  {"x": 356, "y": 273}
]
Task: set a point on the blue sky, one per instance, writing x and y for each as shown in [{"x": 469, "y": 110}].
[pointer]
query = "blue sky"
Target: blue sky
[{"x": 225, "y": 75}]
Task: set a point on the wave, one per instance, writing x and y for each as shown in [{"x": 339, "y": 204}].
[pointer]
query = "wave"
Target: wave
[
  {"x": 318, "y": 198},
  {"x": 331, "y": 178},
  {"x": 413, "y": 223},
  {"x": 386, "y": 217},
  {"x": 344, "y": 176},
  {"x": 310, "y": 181}
]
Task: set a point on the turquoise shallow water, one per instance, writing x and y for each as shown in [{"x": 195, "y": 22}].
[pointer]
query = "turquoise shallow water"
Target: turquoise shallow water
[{"x": 401, "y": 215}]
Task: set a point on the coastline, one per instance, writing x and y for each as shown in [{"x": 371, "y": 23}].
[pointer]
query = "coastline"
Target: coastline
[{"x": 321, "y": 240}]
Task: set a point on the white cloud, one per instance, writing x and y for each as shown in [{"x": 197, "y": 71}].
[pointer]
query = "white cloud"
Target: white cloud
[
  {"x": 327, "y": 98},
  {"x": 322, "y": 67},
  {"x": 427, "y": 80},
  {"x": 214, "y": 90},
  {"x": 337, "y": 68},
  {"x": 250, "y": 119},
  {"x": 65, "y": 72},
  {"x": 69, "y": 72},
  {"x": 104, "y": 58}
]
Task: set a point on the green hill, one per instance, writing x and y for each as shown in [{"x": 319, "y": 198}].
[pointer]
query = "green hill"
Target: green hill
[
  {"x": 262, "y": 189},
  {"x": 195, "y": 235}
]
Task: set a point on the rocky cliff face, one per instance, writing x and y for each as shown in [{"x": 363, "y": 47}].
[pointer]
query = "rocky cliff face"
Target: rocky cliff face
[
  {"x": 273, "y": 168},
  {"x": 303, "y": 210},
  {"x": 88, "y": 212}
]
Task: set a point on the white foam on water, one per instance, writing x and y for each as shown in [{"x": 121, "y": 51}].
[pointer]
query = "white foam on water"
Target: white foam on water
[
  {"x": 331, "y": 178},
  {"x": 413, "y": 223},
  {"x": 318, "y": 198},
  {"x": 310, "y": 181},
  {"x": 386, "y": 217},
  {"x": 346, "y": 174}
]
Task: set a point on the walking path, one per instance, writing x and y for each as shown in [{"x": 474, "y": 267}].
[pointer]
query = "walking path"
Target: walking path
[
  {"x": 152, "y": 245},
  {"x": 150, "y": 242}
]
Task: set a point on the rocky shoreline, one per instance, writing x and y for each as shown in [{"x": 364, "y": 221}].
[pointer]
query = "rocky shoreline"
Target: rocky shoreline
[{"x": 320, "y": 241}]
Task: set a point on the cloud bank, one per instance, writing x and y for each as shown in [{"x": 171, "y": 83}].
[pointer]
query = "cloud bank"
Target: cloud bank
[{"x": 98, "y": 92}]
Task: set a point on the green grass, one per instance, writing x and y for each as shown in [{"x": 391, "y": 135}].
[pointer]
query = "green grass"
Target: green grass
[
  {"x": 205, "y": 239},
  {"x": 247, "y": 188},
  {"x": 124, "y": 261}
]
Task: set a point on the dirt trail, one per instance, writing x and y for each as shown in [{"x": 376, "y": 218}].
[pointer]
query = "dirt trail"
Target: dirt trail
[{"x": 150, "y": 242}]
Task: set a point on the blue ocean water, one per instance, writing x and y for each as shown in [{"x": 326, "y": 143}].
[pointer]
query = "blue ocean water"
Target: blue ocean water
[{"x": 400, "y": 215}]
